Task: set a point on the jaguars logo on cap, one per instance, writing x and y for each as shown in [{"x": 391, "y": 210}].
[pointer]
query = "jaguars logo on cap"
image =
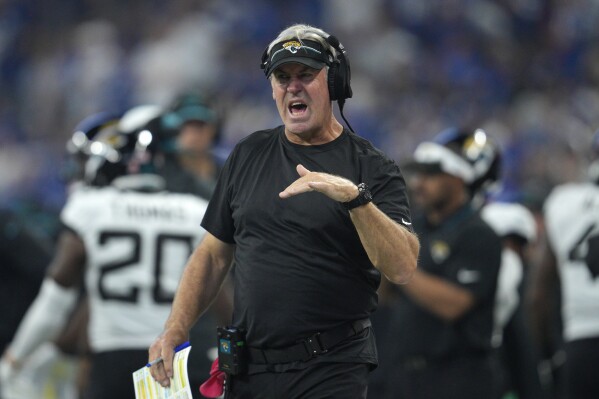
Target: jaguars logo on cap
[{"x": 292, "y": 46}]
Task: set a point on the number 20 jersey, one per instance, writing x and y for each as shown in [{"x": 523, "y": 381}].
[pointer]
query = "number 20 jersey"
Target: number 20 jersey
[
  {"x": 572, "y": 221},
  {"x": 137, "y": 245}
]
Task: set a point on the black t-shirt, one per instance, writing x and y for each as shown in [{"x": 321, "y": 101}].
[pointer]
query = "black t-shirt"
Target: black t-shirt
[
  {"x": 463, "y": 250},
  {"x": 299, "y": 264}
]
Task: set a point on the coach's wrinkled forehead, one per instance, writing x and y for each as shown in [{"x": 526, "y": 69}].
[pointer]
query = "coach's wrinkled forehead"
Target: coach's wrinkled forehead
[{"x": 306, "y": 52}]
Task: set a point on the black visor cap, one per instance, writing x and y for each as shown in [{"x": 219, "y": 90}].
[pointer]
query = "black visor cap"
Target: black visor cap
[{"x": 306, "y": 52}]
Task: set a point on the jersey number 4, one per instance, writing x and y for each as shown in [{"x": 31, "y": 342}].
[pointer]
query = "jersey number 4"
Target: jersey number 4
[
  {"x": 586, "y": 250},
  {"x": 159, "y": 294}
]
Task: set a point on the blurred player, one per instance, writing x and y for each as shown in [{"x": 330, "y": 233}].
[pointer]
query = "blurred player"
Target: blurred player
[
  {"x": 518, "y": 356},
  {"x": 49, "y": 370},
  {"x": 445, "y": 314},
  {"x": 24, "y": 258},
  {"x": 571, "y": 214},
  {"x": 127, "y": 240}
]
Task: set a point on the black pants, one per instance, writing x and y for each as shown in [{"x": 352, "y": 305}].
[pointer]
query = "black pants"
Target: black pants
[
  {"x": 581, "y": 370},
  {"x": 470, "y": 377},
  {"x": 111, "y": 374},
  {"x": 323, "y": 380}
]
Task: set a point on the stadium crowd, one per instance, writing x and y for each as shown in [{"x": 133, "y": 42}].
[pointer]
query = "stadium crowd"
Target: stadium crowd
[{"x": 526, "y": 70}]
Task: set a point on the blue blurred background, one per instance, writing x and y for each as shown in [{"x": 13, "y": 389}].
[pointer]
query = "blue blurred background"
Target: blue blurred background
[{"x": 525, "y": 70}]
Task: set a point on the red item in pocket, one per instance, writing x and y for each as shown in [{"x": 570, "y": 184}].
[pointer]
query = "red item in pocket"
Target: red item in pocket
[{"x": 213, "y": 387}]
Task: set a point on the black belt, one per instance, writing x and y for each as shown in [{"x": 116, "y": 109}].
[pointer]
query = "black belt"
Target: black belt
[{"x": 310, "y": 347}]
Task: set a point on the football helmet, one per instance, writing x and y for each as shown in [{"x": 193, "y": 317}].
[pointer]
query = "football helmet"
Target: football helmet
[
  {"x": 479, "y": 150},
  {"x": 86, "y": 130},
  {"x": 78, "y": 145},
  {"x": 114, "y": 152}
]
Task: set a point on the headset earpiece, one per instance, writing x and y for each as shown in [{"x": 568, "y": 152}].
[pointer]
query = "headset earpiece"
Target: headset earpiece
[{"x": 339, "y": 73}]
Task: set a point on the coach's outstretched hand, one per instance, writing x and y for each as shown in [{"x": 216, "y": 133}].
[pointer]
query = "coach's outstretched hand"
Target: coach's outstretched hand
[{"x": 335, "y": 187}]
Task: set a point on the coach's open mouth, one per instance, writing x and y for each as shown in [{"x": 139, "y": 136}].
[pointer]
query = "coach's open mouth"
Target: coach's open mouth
[{"x": 297, "y": 108}]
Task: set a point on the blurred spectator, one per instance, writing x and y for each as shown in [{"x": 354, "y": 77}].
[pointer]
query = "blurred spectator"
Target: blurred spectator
[
  {"x": 532, "y": 63},
  {"x": 196, "y": 122}
]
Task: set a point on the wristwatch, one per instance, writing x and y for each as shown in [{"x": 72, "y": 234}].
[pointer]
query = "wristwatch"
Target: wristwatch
[{"x": 364, "y": 197}]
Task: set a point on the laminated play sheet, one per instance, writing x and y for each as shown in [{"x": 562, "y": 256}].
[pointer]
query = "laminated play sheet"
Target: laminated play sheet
[{"x": 148, "y": 388}]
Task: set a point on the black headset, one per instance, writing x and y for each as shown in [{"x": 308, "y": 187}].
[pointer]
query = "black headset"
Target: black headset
[
  {"x": 339, "y": 76},
  {"x": 339, "y": 73}
]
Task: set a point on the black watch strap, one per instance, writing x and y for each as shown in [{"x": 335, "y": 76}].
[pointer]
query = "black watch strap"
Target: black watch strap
[{"x": 364, "y": 197}]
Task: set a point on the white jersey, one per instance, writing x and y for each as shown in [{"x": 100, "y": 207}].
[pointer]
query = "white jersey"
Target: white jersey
[
  {"x": 508, "y": 219},
  {"x": 572, "y": 220},
  {"x": 507, "y": 296},
  {"x": 137, "y": 245}
]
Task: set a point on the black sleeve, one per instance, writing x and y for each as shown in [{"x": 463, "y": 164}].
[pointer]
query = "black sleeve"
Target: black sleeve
[
  {"x": 218, "y": 219},
  {"x": 389, "y": 192}
]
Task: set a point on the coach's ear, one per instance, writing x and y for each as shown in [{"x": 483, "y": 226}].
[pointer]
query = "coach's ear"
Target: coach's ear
[{"x": 273, "y": 95}]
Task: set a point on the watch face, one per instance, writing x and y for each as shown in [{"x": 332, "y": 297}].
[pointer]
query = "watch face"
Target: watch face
[{"x": 364, "y": 197}]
